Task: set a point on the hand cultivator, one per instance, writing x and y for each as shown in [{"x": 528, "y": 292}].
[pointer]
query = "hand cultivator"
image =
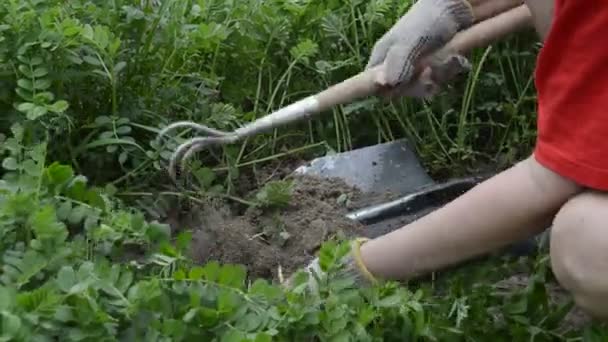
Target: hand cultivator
[{"x": 494, "y": 21}]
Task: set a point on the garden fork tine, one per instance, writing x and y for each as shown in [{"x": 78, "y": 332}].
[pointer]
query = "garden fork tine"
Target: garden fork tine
[
  {"x": 211, "y": 131},
  {"x": 358, "y": 86}
]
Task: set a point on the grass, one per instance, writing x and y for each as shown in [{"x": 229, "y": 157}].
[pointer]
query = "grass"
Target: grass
[{"x": 87, "y": 84}]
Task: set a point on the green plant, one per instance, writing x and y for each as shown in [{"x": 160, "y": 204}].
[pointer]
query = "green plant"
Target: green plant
[
  {"x": 275, "y": 194},
  {"x": 85, "y": 87}
]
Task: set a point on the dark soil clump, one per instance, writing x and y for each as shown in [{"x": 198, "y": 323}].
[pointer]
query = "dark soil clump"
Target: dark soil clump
[{"x": 266, "y": 240}]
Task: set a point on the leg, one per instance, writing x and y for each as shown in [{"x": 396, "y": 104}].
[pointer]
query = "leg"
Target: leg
[{"x": 579, "y": 251}]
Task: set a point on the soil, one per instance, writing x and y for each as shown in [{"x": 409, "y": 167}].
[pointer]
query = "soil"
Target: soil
[
  {"x": 275, "y": 243},
  {"x": 266, "y": 241}
]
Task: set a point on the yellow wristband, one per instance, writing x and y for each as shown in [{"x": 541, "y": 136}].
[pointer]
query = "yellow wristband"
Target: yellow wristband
[{"x": 356, "y": 254}]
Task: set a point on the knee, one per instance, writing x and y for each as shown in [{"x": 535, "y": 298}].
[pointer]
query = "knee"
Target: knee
[{"x": 579, "y": 251}]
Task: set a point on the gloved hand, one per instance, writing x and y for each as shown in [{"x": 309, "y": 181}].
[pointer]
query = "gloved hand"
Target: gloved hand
[
  {"x": 438, "y": 70},
  {"x": 353, "y": 267},
  {"x": 426, "y": 27}
]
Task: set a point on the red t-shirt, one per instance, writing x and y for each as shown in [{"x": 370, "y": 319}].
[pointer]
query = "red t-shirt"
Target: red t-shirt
[{"x": 571, "y": 80}]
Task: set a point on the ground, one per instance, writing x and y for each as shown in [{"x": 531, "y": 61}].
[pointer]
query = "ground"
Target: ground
[{"x": 274, "y": 243}]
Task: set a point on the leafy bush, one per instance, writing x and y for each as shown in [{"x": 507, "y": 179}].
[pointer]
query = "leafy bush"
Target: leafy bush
[{"x": 85, "y": 87}]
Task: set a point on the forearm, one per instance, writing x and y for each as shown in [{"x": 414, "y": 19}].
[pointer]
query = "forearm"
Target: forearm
[
  {"x": 484, "y": 9},
  {"x": 542, "y": 13},
  {"x": 514, "y": 205}
]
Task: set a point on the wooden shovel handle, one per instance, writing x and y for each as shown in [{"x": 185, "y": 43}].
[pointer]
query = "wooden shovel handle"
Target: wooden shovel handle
[{"x": 479, "y": 35}]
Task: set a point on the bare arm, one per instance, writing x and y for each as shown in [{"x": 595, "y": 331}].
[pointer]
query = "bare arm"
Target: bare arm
[
  {"x": 511, "y": 206},
  {"x": 484, "y": 9},
  {"x": 514, "y": 205}
]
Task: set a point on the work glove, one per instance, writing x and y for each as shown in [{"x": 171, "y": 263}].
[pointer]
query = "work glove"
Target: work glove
[
  {"x": 437, "y": 71},
  {"x": 352, "y": 267},
  {"x": 427, "y": 26}
]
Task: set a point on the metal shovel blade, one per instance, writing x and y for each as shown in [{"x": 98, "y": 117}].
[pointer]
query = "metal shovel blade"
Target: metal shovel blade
[{"x": 388, "y": 167}]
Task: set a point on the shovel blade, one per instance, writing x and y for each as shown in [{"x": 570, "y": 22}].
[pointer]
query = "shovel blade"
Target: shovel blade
[{"x": 391, "y": 167}]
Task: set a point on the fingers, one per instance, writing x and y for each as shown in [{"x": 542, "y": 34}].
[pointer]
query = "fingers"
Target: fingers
[
  {"x": 398, "y": 64},
  {"x": 428, "y": 83},
  {"x": 379, "y": 52},
  {"x": 449, "y": 68}
]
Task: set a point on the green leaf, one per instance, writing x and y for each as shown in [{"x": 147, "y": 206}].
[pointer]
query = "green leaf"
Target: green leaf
[
  {"x": 103, "y": 120},
  {"x": 92, "y": 60},
  {"x": 234, "y": 336},
  {"x": 106, "y": 142},
  {"x": 100, "y": 72},
  {"x": 40, "y": 72},
  {"x": 87, "y": 32},
  {"x": 25, "y": 70},
  {"x": 77, "y": 214},
  {"x": 125, "y": 281},
  {"x": 196, "y": 273},
  {"x": 11, "y": 324},
  {"x": 341, "y": 284},
  {"x": 24, "y": 94},
  {"x": 23, "y": 59},
  {"x": 122, "y": 121},
  {"x": 233, "y": 276},
  {"x": 46, "y": 226},
  {"x": 179, "y": 275},
  {"x": 63, "y": 313},
  {"x": 390, "y": 301},
  {"x": 137, "y": 221},
  {"x": 25, "y": 84},
  {"x": 205, "y": 177},
  {"x": 58, "y": 174},
  {"x": 7, "y": 296},
  {"x": 44, "y": 97},
  {"x": 10, "y": 164},
  {"x": 250, "y": 322},
  {"x": 37, "y": 112},
  {"x": 42, "y": 84},
  {"x": 123, "y": 130},
  {"x": 36, "y": 61},
  {"x": 101, "y": 36},
  {"x": 59, "y": 106},
  {"x": 262, "y": 337},
  {"x": 211, "y": 271},
  {"x": 25, "y": 107},
  {"x": 30, "y": 167},
  {"x": 66, "y": 278},
  {"x": 74, "y": 59},
  {"x": 190, "y": 315},
  {"x": 71, "y": 31},
  {"x": 64, "y": 210},
  {"x": 119, "y": 66}
]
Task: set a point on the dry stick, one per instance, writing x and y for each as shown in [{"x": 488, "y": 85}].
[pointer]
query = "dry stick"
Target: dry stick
[{"x": 359, "y": 86}]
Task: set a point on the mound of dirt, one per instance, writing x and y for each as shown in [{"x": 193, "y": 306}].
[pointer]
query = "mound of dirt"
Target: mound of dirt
[{"x": 266, "y": 240}]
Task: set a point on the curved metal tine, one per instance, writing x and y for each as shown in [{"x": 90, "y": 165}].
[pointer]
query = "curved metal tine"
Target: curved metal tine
[
  {"x": 194, "y": 148},
  {"x": 185, "y": 150},
  {"x": 201, "y": 128}
]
